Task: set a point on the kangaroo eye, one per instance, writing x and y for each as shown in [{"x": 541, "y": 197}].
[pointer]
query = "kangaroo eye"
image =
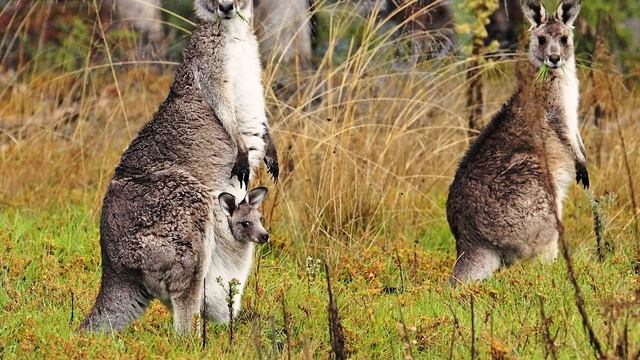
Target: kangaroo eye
[
  {"x": 564, "y": 40},
  {"x": 542, "y": 40},
  {"x": 246, "y": 224}
]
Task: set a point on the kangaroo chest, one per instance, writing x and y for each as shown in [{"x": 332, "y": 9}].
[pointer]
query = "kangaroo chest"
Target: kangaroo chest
[
  {"x": 569, "y": 94},
  {"x": 243, "y": 67},
  {"x": 562, "y": 154}
]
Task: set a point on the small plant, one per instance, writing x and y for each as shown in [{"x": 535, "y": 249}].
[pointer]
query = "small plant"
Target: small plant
[
  {"x": 231, "y": 290},
  {"x": 600, "y": 222},
  {"x": 314, "y": 266}
]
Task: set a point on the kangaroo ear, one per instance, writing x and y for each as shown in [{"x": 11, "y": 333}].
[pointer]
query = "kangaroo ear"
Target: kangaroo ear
[
  {"x": 534, "y": 11},
  {"x": 228, "y": 203},
  {"x": 568, "y": 11},
  {"x": 256, "y": 196}
]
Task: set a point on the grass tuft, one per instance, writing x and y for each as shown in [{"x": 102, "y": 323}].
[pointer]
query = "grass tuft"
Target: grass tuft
[{"x": 542, "y": 75}]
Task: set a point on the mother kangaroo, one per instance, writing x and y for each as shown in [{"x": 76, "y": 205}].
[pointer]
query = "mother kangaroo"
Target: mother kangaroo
[{"x": 160, "y": 225}]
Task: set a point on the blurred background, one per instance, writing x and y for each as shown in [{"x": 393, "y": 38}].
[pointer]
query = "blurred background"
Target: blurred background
[{"x": 60, "y": 32}]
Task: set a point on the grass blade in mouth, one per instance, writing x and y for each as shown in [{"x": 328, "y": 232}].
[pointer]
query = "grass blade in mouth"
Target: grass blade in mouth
[
  {"x": 244, "y": 18},
  {"x": 542, "y": 74}
]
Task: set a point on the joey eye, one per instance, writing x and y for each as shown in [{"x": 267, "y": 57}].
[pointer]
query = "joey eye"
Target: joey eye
[
  {"x": 245, "y": 224},
  {"x": 564, "y": 40},
  {"x": 542, "y": 40}
]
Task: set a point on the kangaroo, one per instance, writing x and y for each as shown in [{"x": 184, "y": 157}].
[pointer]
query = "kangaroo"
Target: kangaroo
[
  {"x": 162, "y": 232},
  {"x": 175, "y": 266},
  {"x": 233, "y": 260},
  {"x": 145, "y": 18},
  {"x": 429, "y": 24},
  {"x": 285, "y": 29},
  {"x": 507, "y": 193}
]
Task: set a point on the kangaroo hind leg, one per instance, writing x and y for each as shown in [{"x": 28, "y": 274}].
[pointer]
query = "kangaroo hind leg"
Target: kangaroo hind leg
[{"x": 186, "y": 307}]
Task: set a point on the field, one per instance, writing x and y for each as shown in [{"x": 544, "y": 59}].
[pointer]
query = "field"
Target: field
[{"x": 367, "y": 150}]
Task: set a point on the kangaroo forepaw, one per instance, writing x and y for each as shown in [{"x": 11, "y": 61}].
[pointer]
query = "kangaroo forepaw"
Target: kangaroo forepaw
[
  {"x": 582, "y": 175},
  {"x": 242, "y": 169},
  {"x": 272, "y": 167}
]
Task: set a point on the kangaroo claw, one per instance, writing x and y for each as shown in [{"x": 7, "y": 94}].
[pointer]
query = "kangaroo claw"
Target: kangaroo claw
[
  {"x": 242, "y": 169},
  {"x": 582, "y": 175},
  {"x": 272, "y": 167}
]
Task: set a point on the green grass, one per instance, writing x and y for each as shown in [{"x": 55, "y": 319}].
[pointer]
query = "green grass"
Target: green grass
[{"x": 48, "y": 255}]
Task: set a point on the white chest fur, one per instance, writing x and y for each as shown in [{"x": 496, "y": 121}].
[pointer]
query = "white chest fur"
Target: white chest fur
[
  {"x": 245, "y": 75},
  {"x": 569, "y": 101},
  {"x": 569, "y": 93}
]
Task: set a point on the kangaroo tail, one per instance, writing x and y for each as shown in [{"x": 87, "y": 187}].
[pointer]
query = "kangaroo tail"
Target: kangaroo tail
[
  {"x": 119, "y": 302},
  {"x": 474, "y": 264}
]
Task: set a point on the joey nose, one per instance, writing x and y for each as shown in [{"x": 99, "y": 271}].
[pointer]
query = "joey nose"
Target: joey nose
[
  {"x": 554, "y": 59},
  {"x": 264, "y": 238}
]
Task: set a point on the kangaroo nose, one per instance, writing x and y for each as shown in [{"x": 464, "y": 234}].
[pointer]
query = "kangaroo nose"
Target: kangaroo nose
[
  {"x": 225, "y": 8},
  {"x": 554, "y": 59},
  {"x": 264, "y": 238}
]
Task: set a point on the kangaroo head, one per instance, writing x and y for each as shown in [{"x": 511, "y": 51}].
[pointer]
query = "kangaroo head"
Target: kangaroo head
[
  {"x": 223, "y": 9},
  {"x": 551, "y": 36},
  {"x": 245, "y": 220}
]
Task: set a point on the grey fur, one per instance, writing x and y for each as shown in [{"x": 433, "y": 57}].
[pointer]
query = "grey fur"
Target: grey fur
[
  {"x": 161, "y": 225},
  {"x": 504, "y": 198},
  {"x": 285, "y": 31}
]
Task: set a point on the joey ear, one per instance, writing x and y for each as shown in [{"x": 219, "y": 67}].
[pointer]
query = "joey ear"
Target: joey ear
[
  {"x": 228, "y": 203},
  {"x": 534, "y": 11},
  {"x": 256, "y": 196},
  {"x": 568, "y": 11}
]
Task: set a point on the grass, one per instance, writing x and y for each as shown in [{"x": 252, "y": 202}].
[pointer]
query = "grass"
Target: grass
[
  {"x": 52, "y": 254},
  {"x": 542, "y": 74},
  {"x": 367, "y": 152}
]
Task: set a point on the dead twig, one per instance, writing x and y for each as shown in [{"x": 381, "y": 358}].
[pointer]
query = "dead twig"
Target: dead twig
[
  {"x": 405, "y": 336},
  {"x": 286, "y": 317},
  {"x": 274, "y": 339},
  {"x": 544, "y": 324},
  {"x": 580, "y": 303},
  {"x": 203, "y": 314},
  {"x": 73, "y": 306},
  {"x": 473, "y": 330},
  {"x": 336, "y": 333},
  {"x": 399, "y": 261},
  {"x": 255, "y": 336}
]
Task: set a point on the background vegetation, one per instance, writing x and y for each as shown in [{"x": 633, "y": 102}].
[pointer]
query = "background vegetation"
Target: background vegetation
[{"x": 368, "y": 146}]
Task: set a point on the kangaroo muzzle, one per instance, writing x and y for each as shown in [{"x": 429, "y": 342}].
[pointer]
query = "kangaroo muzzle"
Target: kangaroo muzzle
[{"x": 263, "y": 238}]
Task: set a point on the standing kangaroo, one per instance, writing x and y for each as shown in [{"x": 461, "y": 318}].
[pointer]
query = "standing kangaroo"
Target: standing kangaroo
[
  {"x": 507, "y": 194},
  {"x": 162, "y": 232}
]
